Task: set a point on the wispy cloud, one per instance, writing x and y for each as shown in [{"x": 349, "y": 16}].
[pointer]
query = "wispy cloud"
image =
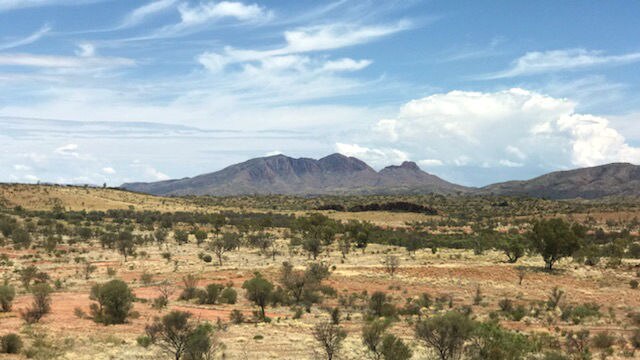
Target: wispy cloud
[
  {"x": 144, "y": 12},
  {"x": 6, "y": 5},
  {"x": 68, "y": 62},
  {"x": 541, "y": 62},
  {"x": 27, "y": 40},
  {"x": 193, "y": 18},
  {"x": 308, "y": 39}
]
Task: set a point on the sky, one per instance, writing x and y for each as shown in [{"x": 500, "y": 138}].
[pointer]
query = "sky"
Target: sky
[{"x": 476, "y": 92}]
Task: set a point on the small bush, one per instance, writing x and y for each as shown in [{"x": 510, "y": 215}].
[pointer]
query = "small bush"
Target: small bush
[
  {"x": 229, "y": 296},
  {"x": 236, "y": 316},
  {"x": 160, "y": 302},
  {"x": 635, "y": 339},
  {"x": 603, "y": 341},
  {"x": 146, "y": 278},
  {"x": 10, "y": 344},
  {"x": 211, "y": 294},
  {"x": 7, "y": 294},
  {"x": 41, "y": 303},
  {"x": 114, "y": 301},
  {"x": 633, "y": 284},
  {"x": 144, "y": 341}
]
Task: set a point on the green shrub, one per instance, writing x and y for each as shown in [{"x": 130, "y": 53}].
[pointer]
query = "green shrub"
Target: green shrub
[
  {"x": 603, "y": 341},
  {"x": 492, "y": 342},
  {"x": 447, "y": 333},
  {"x": 635, "y": 339},
  {"x": 7, "y": 294},
  {"x": 143, "y": 341},
  {"x": 10, "y": 344},
  {"x": 211, "y": 294},
  {"x": 41, "y": 303},
  {"x": 229, "y": 296},
  {"x": 236, "y": 316},
  {"x": 115, "y": 300},
  {"x": 146, "y": 278}
]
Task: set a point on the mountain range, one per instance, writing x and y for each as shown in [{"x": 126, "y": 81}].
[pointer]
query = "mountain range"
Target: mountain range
[{"x": 342, "y": 175}]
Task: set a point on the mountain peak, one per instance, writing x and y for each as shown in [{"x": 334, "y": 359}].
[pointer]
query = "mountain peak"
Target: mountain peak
[
  {"x": 406, "y": 165},
  {"x": 280, "y": 174},
  {"x": 342, "y": 163}
]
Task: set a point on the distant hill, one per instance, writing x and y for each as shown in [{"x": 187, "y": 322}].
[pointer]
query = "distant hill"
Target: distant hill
[
  {"x": 280, "y": 174},
  {"x": 338, "y": 174},
  {"x": 617, "y": 179}
]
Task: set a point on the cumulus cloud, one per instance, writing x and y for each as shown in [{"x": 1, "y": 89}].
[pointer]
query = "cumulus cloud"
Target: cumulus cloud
[
  {"x": 206, "y": 11},
  {"x": 510, "y": 128},
  {"x": 155, "y": 174},
  {"x": 374, "y": 157},
  {"x": 538, "y": 62}
]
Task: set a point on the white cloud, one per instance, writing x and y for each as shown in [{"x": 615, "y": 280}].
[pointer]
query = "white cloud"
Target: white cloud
[
  {"x": 108, "y": 170},
  {"x": 515, "y": 152},
  {"x": 68, "y": 150},
  {"x": 21, "y": 167},
  {"x": 86, "y": 50},
  {"x": 27, "y": 40},
  {"x": 6, "y": 5},
  {"x": 540, "y": 62},
  {"x": 335, "y": 36},
  {"x": 511, "y": 128},
  {"x": 375, "y": 157},
  {"x": 207, "y": 11},
  {"x": 69, "y": 62},
  {"x": 155, "y": 174},
  {"x": 142, "y": 13},
  {"x": 346, "y": 64},
  {"x": 273, "y": 153},
  {"x": 305, "y": 40},
  {"x": 509, "y": 163},
  {"x": 430, "y": 162}
]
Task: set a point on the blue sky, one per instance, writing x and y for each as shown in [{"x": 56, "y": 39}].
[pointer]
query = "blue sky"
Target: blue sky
[{"x": 476, "y": 92}]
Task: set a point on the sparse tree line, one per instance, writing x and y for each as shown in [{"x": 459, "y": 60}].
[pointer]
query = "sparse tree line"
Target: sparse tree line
[{"x": 451, "y": 333}]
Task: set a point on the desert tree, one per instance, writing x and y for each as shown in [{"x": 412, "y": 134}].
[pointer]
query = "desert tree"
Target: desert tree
[
  {"x": 391, "y": 264},
  {"x": 446, "y": 334},
  {"x": 554, "y": 239},
  {"x": 372, "y": 334},
  {"x": 344, "y": 244},
  {"x": 221, "y": 245},
  {"x": 181, "y": 337},
  {"x": 125, "y": 244},
  {"x": 160, "y": 235},
  {"x": 303, "y": 286},
  {"x": 330, "y": 338},
  {"x": 7, "y": 294},
  {"x": 181, "y": 236},
  {"x": 379, "y": 305},
  {"x": 114, "y": 301},
  {"x": 88, "y": 268},
  {"x": 358, "y": 233},
  {"x": 258, "y": 291},
  {"x": 41, "y": 305},
  {"x": 491, "y": 342},
  {"x": 513, "y": 247},
  {"x": 200, "y": 236}
]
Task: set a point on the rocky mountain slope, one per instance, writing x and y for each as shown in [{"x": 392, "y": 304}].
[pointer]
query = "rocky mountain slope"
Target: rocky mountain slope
[{"x": 280, "y": 174}]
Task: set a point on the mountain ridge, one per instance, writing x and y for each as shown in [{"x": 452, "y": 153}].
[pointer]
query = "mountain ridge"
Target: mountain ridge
[{"x": 337, "y": 174}]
